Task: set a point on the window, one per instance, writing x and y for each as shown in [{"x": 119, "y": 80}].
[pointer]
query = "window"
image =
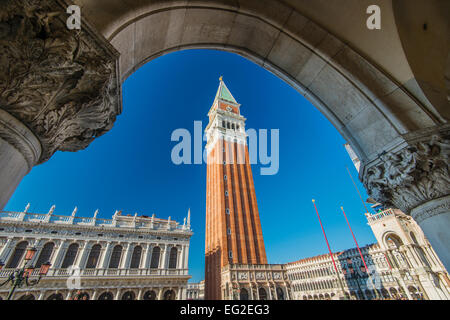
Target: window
[
  {"x": 70, "y": 255},
  {"x": 226, "y": 193},
  {"x": 93, "y": 257},
  {"x": 136, "y": 257},
  {"x": 232, "y": 126},
  {"x": 17, "y": 255},
  {"x": 229, "y": 231},
  {"x": 227, "y": 211},
  {"x": 223, "y": 124},
  {"x": 173, "y": 258},
  {"x": 115, "y": 257},
  {"x": 155, "y": 258},
  {"x": 45, "y": 254},
  {"x": 230, "y": 254},
  {"x": 225, "y": 177}
]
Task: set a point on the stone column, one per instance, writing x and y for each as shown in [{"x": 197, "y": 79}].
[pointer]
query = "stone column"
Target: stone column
[
  {"x": 147, "y": 256},
  {"x": 139, "y": 295},
  {"x": 125, "y": 263},
  {"x": 117, "y": 297},
  {"x": 60, "y": 253},
  {"x": 20, "y": 150},
  {"x": 86, "y": 248},
  {"x": 414, "y": 178},
  {"x": 186, "y": 257},
  {"x": 7, "y": 249},
  {"x": 106, "y": 256},
  {"x": 180, "y": 257},
  {"x": 163, "y": 263},
  {"x": 50, "y": 98},
  {"x": 41, "y": 295},
  {"x": 94, "y": 295}
]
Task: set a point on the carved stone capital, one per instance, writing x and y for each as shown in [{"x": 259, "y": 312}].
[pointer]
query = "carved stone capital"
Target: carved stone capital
[
  {"x": 412, "y": 176},
  {"x": 62, "y": 84}
]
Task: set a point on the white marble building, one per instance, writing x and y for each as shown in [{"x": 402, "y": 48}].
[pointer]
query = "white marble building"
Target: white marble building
[
  {"x": 123, "y": 258},
  {"x": 255, "y": 282},
  {"x": 196, "y": 291},
  {"x": 403, "y": 265}
]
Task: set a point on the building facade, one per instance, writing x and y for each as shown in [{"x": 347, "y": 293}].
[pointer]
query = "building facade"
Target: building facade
[
  {"x": 402, "y": 265},
  {"x": 123, "y": 258},
  {"x": 196, "y": 291},
  {"x": 234, "y": 236}
]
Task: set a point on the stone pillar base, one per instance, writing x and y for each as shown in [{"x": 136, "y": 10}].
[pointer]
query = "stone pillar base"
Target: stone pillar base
[
  {"x": 19, "y": 152},
  {"x": 434, "y": 219}
]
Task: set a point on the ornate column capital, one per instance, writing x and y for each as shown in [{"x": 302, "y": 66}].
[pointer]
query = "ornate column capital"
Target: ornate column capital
[
  {"x": 62, "y": 84},
  {"x": 411, "y": 176}
]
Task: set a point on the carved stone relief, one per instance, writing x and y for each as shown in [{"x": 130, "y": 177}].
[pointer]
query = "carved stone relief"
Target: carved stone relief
[
  {"x": 62, "y": 84},
  {"x": 411, "y": 177}
]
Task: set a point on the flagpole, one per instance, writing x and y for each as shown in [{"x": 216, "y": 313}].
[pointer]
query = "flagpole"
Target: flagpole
[
  {"x": 357, "y": 190},
  {"x": 360, "y": 253},
  {"x": 329, "y": 249}
]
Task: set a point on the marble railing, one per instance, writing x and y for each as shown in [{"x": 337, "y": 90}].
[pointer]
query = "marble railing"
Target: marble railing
[
  {"x": 97, "y": 272},
  {"x": 380, "y": 215},
  {"x": 119, "y": 221}
]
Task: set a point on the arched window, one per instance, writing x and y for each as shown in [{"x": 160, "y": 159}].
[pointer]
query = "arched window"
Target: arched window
[
  {"x": 129, "y": 295},
  {"x": 280, "y": 293},
  {"x": 243, "y": 295},
  {"x": 115, "y": 257},
  {"x": 173, "y": 258},
  {"x": 17, "y": 255},
  {"x": 155, "y": 258},
  {"x": 27, "y": 297},
  {"x": 262, "y": 294},
  {"x": 136, "y": 257},
  {"x": 70, "y": 255},
  {"x": 56, "y": 296},
  {"x": 106, "y": 296},
  {"x": 93, "y": 256},
  {"x": 45, "y": 255},
  {"x": 150, "y": 295},
  {"x": 169, "y": 295}
]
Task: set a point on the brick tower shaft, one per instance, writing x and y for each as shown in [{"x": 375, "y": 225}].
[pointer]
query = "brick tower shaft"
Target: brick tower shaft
[{"x": 233, "y": 227}]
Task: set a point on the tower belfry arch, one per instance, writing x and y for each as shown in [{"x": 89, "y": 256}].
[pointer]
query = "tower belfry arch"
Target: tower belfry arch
[{"x": 385, "y": 91}]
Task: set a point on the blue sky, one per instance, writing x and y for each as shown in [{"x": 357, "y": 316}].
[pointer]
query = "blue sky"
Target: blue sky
[{"x": 130, "y": 167}]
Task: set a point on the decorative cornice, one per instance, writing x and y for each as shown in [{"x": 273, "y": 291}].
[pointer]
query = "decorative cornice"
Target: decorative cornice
[
  {"x": 62, "y": 84},
  {"x": 412, "y": 176}
]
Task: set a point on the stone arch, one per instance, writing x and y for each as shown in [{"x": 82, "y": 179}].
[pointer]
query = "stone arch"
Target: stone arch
[
  {"x": 343, "y": 84},
  {"x": 55, "y": 296},
  {"x": 116, "y": 257},
  {"x": 155, "y": 260},
  {"x": 17, "y": 255},
  {"x": 149, "y": 295},
  {"x": 128, "y": 295},
  {"x": 169, "y": 295},
  {"x": 385, "y": 119},
  {"x": 45, "y": 254},
  {"x": 262, "y": 293},
  {"x": 27, "y": 296},
  {"x": 392, "y": 240},
  {"x": 106, "y": 295},
  {"x": 136, "y": 257},
  {"x": 243, "y": 294}
]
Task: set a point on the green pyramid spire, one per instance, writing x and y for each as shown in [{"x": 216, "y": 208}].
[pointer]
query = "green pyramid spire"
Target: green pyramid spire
[{"x": 223, "y": 92}]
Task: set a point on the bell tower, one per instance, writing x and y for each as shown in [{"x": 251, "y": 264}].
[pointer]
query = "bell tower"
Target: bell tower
[{"x": 233, "y": 228}]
